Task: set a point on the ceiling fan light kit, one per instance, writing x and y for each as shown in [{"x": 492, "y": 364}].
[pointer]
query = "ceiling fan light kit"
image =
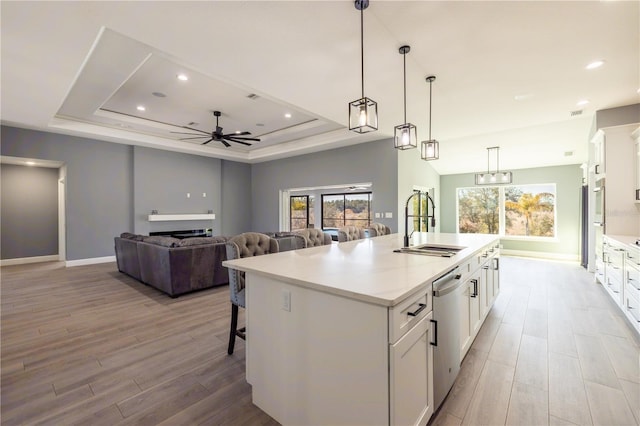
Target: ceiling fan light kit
[
  {"x": 405, "y": 136},
  {"x": 363, "y": 112},
  {"x": 430, "y": 149},
  {"x": 217, "y": 135}
]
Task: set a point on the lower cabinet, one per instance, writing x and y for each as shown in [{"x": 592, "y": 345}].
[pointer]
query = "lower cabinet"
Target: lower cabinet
[
  {"x": 621, "y": 275},
  {"x": 411, "y": 376}
]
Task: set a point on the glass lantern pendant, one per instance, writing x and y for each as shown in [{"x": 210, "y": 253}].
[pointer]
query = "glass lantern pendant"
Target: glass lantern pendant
[
  {"x": 363, "y": 112},
  {"x": 405, "y": 136}
]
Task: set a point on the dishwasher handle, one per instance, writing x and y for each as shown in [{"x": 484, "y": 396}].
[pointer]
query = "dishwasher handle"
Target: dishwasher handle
[{"x": 447, "y": 283}]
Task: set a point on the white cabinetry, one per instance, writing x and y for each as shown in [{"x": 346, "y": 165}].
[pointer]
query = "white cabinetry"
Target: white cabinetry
[
  {"x": 636, "y": 137},
  {"x": 622, "y": 275},
  {"x": 411, "y": 376},
  {"x": 631, "y": 305},
  {"x": 481, "y": 288}
]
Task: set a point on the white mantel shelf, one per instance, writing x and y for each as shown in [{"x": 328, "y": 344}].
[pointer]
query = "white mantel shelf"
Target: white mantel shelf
[{"x": 170, "y": 217}]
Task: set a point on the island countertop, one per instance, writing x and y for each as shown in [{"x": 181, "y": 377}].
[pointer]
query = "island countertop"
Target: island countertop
[{"x": 367, "y": 270}]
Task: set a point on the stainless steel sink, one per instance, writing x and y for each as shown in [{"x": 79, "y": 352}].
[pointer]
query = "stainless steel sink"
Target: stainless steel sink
[{"x": 440, "y": 250}]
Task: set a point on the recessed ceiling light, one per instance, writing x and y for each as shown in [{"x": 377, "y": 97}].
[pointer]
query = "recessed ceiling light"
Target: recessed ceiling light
[
  {"x": 30, "y": 163},
  {"x": 523, "y": 96},
  {"x": 183, "y": 77},
  {"x": 582, "y": 102},
  {"x": 141, "y": 108},
  {"x": 595, "y": 64},
  {"x": 287, "y": 115}
]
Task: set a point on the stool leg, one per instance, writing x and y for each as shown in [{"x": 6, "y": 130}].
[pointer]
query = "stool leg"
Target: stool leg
[{"x": 234, "y": 325}]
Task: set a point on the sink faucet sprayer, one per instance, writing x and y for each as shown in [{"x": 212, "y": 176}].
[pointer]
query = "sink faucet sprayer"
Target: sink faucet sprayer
[{"x": 407, "y": 216}]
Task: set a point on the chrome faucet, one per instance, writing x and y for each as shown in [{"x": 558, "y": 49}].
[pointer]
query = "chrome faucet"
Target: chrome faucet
[{"x": 406, "y": 215}]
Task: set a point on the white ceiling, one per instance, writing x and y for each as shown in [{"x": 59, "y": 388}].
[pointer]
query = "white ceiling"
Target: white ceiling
[{"x": 81, "y": 68}]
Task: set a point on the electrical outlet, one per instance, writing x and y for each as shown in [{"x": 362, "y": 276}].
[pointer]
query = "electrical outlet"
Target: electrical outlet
[
  {"x": 286, "y": 300},
  {"x": 377, "y": 215},
  {"x": 388, "y": 215}
]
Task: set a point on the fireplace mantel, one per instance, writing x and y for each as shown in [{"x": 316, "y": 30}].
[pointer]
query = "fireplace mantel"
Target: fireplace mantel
[{"x": 173, "y": 217}]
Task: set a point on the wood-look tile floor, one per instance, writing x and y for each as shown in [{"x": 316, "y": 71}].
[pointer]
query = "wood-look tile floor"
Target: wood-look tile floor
[
  {"x": 89, "y": 345},
  {"x": 553, "y": 350}
]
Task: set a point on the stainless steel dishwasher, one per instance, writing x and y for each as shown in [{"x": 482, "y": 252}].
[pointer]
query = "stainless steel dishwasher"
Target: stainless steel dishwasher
[{"x": 446, "y": 353}]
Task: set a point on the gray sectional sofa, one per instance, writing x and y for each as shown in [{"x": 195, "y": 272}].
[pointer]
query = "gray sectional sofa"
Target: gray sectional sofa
[{"x": 173, "y": 266}]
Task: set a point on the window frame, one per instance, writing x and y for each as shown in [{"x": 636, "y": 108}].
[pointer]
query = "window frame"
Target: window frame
[
  {"x": 344, "y": 201},
  {"x": 291, "y": 218},
  {"x": 502, "y": 212}
]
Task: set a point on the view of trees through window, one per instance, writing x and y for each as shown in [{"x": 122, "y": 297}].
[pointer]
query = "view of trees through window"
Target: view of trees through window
[
  {"x": 518, "y": 210},
  {"x": 301, "y": 212},
  {"x": 346, "y": 209}
]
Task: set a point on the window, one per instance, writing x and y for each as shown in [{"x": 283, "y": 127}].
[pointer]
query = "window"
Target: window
[
  {"x": 514, "y": 210},
  {"x": 346, "y": 209},
  {"x": 420, "y": 212},
  {"x": 301, "y": 207}
]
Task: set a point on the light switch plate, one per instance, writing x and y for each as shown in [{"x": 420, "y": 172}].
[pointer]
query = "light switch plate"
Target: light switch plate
[
  {"x": 388, "y": 215},
  {"x": 377, "y": 215}
]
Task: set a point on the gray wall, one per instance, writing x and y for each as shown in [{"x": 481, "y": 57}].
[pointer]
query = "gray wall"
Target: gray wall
[
  {"x": 375, "y": 162},
  {"x": 111, "y": 188},
  {"x": 236, "y": 196},
  {"x": 162, "y": 180},
  {"x": 568, "y": 180},
  {"x": 29, "y": 211},
  {"x": 98, "y": 185}
]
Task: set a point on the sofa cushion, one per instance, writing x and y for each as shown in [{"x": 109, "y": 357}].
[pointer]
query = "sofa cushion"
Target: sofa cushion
[
  {"x": 197, "y": 241},
  {"x": 162, "y": 241},
  {"x": 130, "y": 236}
]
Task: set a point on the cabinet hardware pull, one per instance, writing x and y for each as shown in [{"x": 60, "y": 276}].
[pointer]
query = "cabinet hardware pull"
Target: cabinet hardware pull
[
  {"x": 417, "y": 311},
  {"x": 475, "y": 288},
  {"x": 485, "y": 267},
  {"x": 435, "y": 332}
]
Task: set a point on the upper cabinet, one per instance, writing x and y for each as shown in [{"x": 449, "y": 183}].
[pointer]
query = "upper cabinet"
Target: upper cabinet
[
  {"x": 615, "y": 154},
  {"x": 636, "y": 137}
]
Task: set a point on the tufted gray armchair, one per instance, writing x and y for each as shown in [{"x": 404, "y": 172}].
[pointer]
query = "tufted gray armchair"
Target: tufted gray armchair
[
  {"x": 377, "y": 229},
  {"x": 314, "y": 237},
  {"x": 350, "y": 233},
  {"x": 244, "y": 245}
]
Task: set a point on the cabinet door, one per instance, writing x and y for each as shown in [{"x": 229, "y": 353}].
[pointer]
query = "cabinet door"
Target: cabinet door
[
  {"x": 464, "y": 300},
  {"x": 411, "y": 361},
  {"x": 475, "y": 319},
  {"x": 495, "y": 270},
  {"x": 486, "y": 288}
]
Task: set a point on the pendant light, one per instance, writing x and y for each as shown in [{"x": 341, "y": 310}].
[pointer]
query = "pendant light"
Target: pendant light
[
  {"x": 363, "y": 113},
  {"x": 496, "y": 177},
  {"x": 430, "y": 149},
  {"x": 405, "y": 136}
]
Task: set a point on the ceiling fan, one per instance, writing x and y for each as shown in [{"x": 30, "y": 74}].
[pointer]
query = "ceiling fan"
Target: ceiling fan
[{"x": 218, "y": 136}]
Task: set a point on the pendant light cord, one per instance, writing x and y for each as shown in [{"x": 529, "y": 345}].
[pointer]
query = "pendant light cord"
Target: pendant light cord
[
  {"x": 404, "y": 60},
  {"x": 362, "y": 48},
  {"x": 430, "y": 83}
]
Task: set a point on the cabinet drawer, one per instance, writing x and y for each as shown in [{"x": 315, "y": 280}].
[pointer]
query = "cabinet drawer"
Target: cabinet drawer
[
  {"x": 408, "y": 313},
  {"x": 633, "y": 257},
  {"x": 632, "y": 309},
  {"x": 632, "y": 277}
]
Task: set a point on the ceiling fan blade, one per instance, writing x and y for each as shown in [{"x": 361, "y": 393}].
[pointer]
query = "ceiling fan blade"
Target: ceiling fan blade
[
  {"x": 204, "y": 143},
  {"x": 236, "y": 134},
  {"x": 245, "y": 139},
  {"x": 185, "y": 133},
  {"x": 239, "y": 141},
  {"x": 227, "y": 144},
  {"x": 195, "y": 130},
  {"x": 197, "y": 137}
]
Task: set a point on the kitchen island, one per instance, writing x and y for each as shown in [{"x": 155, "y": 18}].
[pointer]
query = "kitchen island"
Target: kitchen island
[{"x": 340, "y": 334}]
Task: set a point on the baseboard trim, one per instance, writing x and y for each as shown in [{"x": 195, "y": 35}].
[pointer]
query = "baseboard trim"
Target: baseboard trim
[
  {"x": 542, "y": 255},
  {"x": 90, "y": 261},
  {"x": 25, "y": 260}
]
